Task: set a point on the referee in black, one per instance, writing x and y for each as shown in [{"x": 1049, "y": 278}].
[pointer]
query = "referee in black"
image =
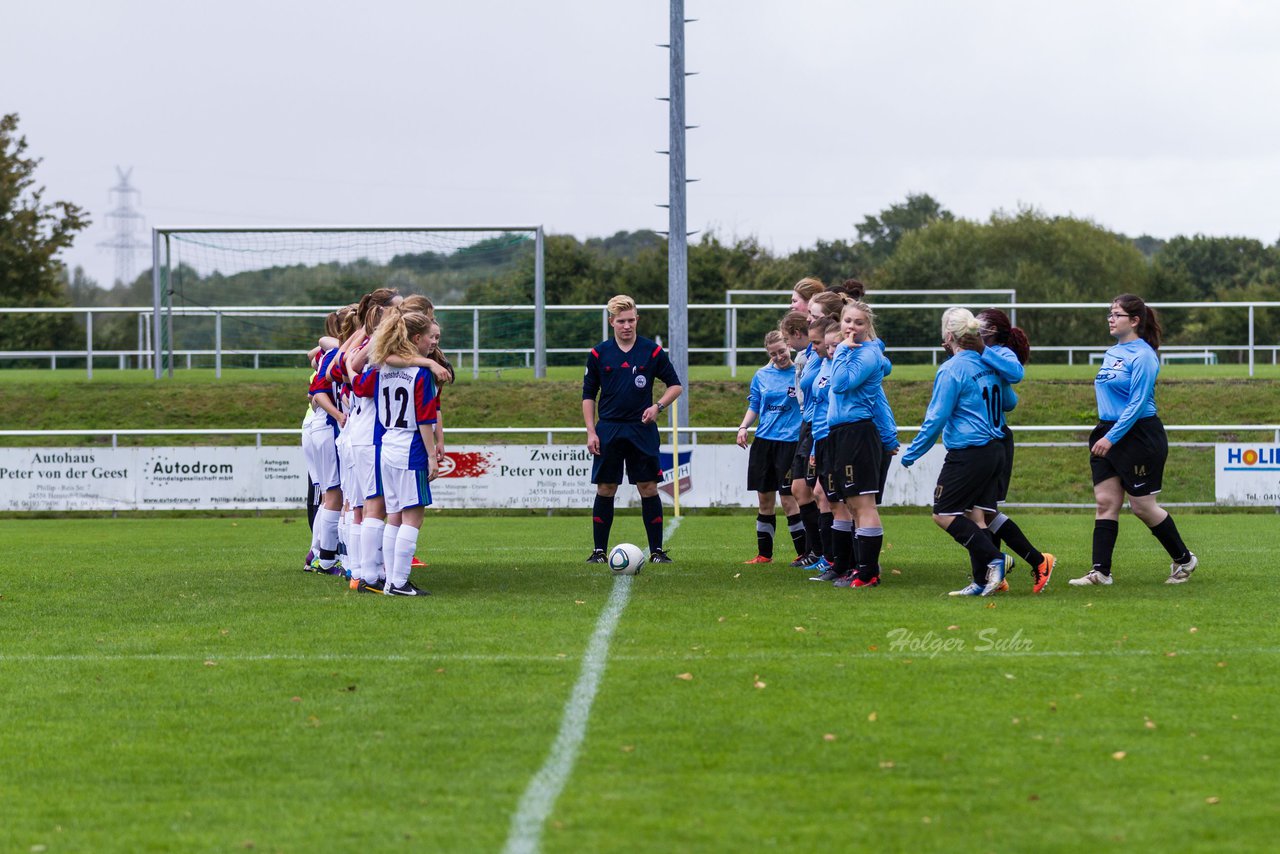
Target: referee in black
[{"x": 622, "y": 373}]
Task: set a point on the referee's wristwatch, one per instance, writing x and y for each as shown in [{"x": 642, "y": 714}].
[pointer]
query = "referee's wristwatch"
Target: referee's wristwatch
[{"x": 662, "y": 407}]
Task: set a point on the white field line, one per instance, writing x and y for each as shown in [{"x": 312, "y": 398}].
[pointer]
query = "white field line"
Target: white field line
[
  {"x": 498, "y": 658},
  {"x": 525, "y": 834}
]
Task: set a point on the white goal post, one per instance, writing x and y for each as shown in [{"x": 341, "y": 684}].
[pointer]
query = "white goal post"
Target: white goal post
[{"x": 206, "y": 253}]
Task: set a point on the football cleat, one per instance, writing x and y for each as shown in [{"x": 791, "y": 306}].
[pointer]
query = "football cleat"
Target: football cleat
[
  {"x": 845, "y": 580},
  {"x": 1093, "y": 576},
  {"x": 873, "y": 581},
  {"x": 406, "y": 589},
  {"x": 597, "y": 556},
  {"x": 995, "y": 573},
  {"x": 802, "y": 562},
  {"x": 375, "y": 587},
  {"x": 354, "y": 584},
  {"x": 417, "y": 564},
  {"x": 1040, "y": 574},
  {"x": 659, "y": 556},
  {"x": 758, "y": 559},
  {"x": 973, "y": 589},
  {"x": 828, "y": 574},
  {"x": 1180, "y": 572}
]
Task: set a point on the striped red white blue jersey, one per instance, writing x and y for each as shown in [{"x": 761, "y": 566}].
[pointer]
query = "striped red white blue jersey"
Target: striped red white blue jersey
[
  {"x": 322, "y": 384},
  {"x": 363, "y": 418},
  {"x": 406, "y": 398}
]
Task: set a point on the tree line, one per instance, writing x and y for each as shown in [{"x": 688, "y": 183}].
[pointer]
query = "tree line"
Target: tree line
[{"x": 913, "y": 244}]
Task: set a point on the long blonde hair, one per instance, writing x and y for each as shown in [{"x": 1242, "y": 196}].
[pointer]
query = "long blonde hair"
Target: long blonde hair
[
  {"x": 396, "y": 333},
  {"x": 870, "y": 315}
]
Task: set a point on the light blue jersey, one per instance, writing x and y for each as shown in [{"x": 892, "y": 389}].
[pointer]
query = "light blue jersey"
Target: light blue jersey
[
  {"x": 773, "y": 398},
  {"x": 883, "y": 416},
  {"x": 1126, "y": 386},
  {"x": 807, "y": 378},
  {"x": 821, "y": 400},
  {"x": 855, "y": 383},
  {"x": 965, "y": 407},
  {"x": 1005, "y": 363}
]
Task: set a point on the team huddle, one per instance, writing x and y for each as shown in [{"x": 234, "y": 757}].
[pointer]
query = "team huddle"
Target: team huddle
[
  {"x": 826, "y": 437},
  {"x": 372, "y": 439}
]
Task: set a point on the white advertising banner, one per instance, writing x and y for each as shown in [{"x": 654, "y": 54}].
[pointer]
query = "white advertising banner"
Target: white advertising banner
[
  {"x": 472, "y": 477},
  {"x": 151, "y": 478},
  {"x": 1247, "y": 474}
]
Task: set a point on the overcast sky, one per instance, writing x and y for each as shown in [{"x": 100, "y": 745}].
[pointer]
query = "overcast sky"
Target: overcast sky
[{"x": 1147, "y": 116}]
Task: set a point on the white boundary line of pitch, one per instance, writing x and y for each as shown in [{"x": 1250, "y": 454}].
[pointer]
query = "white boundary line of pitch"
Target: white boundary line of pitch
[
  {"x": 497, "y": 658},
  {"x": 525, "y": 834}
]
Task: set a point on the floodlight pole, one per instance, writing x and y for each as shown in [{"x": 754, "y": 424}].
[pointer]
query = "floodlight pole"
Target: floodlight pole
[{"x": 677, "y": 228}]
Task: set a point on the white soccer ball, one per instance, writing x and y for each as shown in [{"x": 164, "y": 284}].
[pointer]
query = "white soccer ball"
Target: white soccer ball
[{"x": 626, "y": 559}]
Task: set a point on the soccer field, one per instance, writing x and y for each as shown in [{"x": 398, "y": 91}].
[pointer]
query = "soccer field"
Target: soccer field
[{"x": 179, "y": 684}]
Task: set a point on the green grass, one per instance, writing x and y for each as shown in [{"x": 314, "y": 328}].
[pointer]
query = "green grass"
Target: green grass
[{"x": 179, "y": 685}]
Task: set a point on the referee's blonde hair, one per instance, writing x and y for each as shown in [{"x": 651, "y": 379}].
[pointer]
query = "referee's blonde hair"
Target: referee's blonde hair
[
  {"x": 963, "y": 328},
  {"x": 621, "y": 303}
]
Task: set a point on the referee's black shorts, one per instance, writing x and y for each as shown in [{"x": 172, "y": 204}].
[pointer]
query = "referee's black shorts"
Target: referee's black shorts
[
  {"x": 1137, "y": 459},
  {"x": 634, "y": 446},
  {"x": 855, "y": 453},
  {"x": 769, "y": 465},
  {"x": 969, "y": 479},
  {"x": 800, "y": 469}
]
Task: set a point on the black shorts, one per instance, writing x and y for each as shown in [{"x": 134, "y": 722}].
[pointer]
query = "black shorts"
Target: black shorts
[
  {"x": 1006, "y": 470},
  {"x": 855, "y": 453},
  {"x": 804, "y": 447},
  {"x": 969, "y": 479},
  {"x": 1138, "y": 459},
  {"x": 886, "y": 457},
  {"x": 635, "y": 445},
  {"x": 769, "y": 466},
  {"x": 822, "y": 466}
]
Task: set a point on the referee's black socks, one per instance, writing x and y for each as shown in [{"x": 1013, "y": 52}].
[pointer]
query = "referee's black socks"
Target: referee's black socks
[
  {"x": 602, "y": 521},
  {"x": 651, "y": 509},
  {"x": 1167, "y": 533}
]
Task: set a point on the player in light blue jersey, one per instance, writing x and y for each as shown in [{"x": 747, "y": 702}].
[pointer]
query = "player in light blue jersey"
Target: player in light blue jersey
[
  {"x": 773, "y": 399},
  {"x": 965, "y": 409},
  {"x": 1006, "y": 350},
  {"x": 857, "y": 371},
  {"x": 1129, "y": 447},
  {"x": 794, "y": 326}
]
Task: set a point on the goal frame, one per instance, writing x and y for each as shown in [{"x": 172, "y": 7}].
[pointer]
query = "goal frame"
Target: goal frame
[{"x": 162, "y": 312}]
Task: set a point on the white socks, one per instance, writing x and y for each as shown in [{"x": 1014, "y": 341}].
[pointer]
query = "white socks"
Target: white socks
[
  {"x": 371, "y": 549},
  {"x": 389, "y": 535},
  {"x": 406, "y": 543},
  {"x": 327, "y": 522}
]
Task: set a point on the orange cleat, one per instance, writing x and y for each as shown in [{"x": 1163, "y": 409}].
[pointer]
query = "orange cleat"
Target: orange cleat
[
  {"x": 417, "y": 564},
  {"x": 759, "y": 559},
  {"x": 1042, "y": 572}
]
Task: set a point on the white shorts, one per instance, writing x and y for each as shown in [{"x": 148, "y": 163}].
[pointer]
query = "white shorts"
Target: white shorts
[
  {"x": 351, "y": 491},
  {"x": 403, "y": 489},
  {"x": 322, "y": 458},
  {"x": 365, "y": 462}
]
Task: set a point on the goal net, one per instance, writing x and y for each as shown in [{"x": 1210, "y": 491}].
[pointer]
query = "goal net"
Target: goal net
[{"x": 258, "y": 296}]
